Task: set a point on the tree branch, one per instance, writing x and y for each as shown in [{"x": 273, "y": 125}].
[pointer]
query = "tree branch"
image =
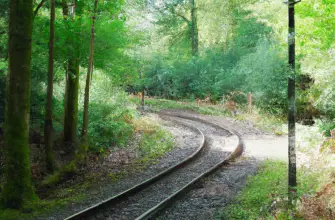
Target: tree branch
[
  {"x": 173, "y": 11},
  {"x": 38, "y": 7}
]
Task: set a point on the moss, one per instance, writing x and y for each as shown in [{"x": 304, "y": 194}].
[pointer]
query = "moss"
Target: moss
[
  {"x": 71, "y": 104},
  {"x": 65, "y": 173},
  {"x": 41, "y": 208},
  {"x": 117, "y": 175},
  {"x": 17, "y": 189}
]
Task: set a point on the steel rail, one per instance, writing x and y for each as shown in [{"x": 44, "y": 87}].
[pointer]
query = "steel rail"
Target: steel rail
[
  {"x": 154, "y": 212},
  {"x": 133, "y": 190}
]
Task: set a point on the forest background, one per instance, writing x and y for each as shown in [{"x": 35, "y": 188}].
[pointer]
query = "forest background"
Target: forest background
[{"x": 175, "y": 50}]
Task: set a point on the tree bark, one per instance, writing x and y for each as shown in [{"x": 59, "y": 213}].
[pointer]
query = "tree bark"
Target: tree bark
[
  {"x": 194, "y": 31},
  {"x": 142, "y": 101},
  {"x": 88, "y": 77},
  {"x": 38, "y": 7},
  {"x": 72, "y": 86},
  {"x": 17, "y": 188},
  {"x": 292, "y": 178},
  {"x": 48, "y": 141},
  {"x": 142, "y": 87}
]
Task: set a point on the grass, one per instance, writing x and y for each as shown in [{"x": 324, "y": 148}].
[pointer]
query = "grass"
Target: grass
[
  {"x": 260, "y": 118},
  {"x": 265, "y": 195},
  {"x": 62, "y": 197},
  {"x": 160, "y": 104},
  {"x": 261, "y": 190},
  {"x": 154, "y": 141}
]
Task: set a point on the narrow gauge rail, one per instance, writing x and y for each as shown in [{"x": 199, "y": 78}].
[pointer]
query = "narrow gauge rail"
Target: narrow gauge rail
[{"x": 147, "y": 199}]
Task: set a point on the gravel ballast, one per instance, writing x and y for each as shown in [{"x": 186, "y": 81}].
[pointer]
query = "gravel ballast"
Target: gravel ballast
[
  {"x": 136, "y": 205},
  {"x": 212, "y": 194},
  {"x": 186, "y": 143}
]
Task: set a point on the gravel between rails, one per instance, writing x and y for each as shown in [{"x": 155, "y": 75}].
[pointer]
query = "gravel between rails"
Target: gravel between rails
[
  {"x": 186, "y": 143},
  {"x": 149, "y": 197},
  {"x": 220, "y": 188},
  {"x": 214, "y": 193}
]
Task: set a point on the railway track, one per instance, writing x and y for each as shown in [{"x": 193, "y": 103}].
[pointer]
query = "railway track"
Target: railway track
[{"x": 147, "y": 199}]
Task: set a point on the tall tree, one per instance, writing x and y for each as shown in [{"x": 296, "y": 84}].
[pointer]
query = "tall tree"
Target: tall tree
[
  {"x": 180, "y": 13},
  {"x": 72, "y": 79},
  {"x": 292, "y": 168},
  {"x": 88, "y": 76},
  {"x": 48, "y": 109},
  {"x": 194, "y": 29},
  {"x": 18, "y": 188}
]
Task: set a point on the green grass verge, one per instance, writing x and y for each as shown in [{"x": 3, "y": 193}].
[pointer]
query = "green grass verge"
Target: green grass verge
[
  {"x": 62, "y": 197},
  {"x": 259, "y": 118},
  {"x": 156, "y": 144},
  {"x": 254, "y": 201},
  {"x": 160, "y": 104},
  {"x": 266, "y": 188}
]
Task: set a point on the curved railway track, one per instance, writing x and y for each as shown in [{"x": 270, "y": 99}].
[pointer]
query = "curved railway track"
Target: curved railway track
[{"x": 147, "y": 199}]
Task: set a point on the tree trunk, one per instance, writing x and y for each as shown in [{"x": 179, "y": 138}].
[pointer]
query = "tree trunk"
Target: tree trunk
[
  {"x": 88, "y": 77},
  {"x": 48, "y": 141},
  {"x": 292, "y": 179},
  {"x": 17, "y": 188},
  {"x": 142, "y": 102},
  {"x": 72, "y": 86},
  {"x": 142, "y": 87},
  {"x": 194, "y": 31}
]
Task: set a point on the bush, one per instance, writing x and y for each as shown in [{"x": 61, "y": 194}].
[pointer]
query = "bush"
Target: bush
[{"x": 109, "y": 125}]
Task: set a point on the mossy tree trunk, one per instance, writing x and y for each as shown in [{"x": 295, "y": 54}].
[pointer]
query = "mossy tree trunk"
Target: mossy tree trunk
[
  {"x": 17, "y": 188},
  {"x": 72, "y": 85},
  {"x": 194, "y": 29},
  {"x": 88, "y": 78},
  {"x": 48, "y": 141}
]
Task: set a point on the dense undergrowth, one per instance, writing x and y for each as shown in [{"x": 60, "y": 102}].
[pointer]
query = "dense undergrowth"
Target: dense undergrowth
[{"x": 115, "y": 124}]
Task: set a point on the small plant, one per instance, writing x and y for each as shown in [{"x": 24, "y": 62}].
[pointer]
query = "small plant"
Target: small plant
[{"x": 154, "y": 141}]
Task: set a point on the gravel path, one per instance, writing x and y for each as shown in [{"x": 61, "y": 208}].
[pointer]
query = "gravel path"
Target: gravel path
[
  {"x": 140, "y": 202},
  {"x": 186, "y": 142}
]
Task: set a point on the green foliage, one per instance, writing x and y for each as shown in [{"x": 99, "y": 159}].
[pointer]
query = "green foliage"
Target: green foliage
[
  {"x": 110, "y": 114},
  {"x": 251, "y": 62},
  {"x": 265, "y": 73},
  {"x": 110, "y": 125},
  {"x": 326, "y": 126},
  {"x": 261, "y": 190},
  {"x": 161, "y": 104},
  {"x": 320, "y": 14},
  {"x": 155, "y": 144}
]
